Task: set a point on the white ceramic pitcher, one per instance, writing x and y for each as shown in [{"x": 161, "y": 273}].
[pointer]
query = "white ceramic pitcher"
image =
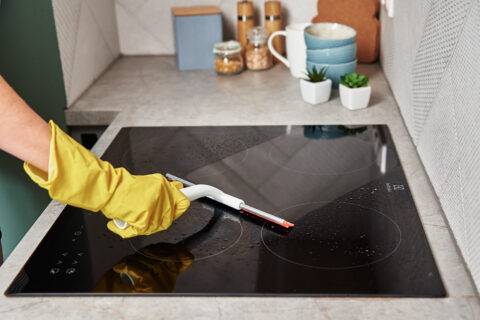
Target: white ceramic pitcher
[{"x": 296, "y": 48}]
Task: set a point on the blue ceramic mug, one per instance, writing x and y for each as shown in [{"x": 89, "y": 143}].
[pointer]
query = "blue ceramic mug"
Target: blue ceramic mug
[
  {"x": 334, "y": 55},
  {"x": 328, "y": 35}
]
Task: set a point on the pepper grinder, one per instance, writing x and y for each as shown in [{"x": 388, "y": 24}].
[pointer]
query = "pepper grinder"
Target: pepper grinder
[
  {"x": 273, "y": 22},
  {"x": 245, "y": 21}
]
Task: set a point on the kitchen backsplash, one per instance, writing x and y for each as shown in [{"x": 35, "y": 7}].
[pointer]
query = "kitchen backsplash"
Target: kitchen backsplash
[
  {"x": 430, "y": 55},
  {"x": 145, "y": 26},
  {"x": 88, "y": 41}
]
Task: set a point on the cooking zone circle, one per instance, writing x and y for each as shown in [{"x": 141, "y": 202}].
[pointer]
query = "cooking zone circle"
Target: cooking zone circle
[
  {"x": 321, "y": 156},
  {"x": 334, "y": 236},
  {"x": 205, "y": 232}
]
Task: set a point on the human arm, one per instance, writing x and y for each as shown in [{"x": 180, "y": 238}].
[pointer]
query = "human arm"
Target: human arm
[
  {"x": 23, "y": 133},
  {"x": 73, "y": 175}
]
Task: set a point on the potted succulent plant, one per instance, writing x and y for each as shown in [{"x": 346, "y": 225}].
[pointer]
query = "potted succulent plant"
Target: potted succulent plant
[
  {"x": 354, "y": 91},
  {"x": 316, "y": 88}
]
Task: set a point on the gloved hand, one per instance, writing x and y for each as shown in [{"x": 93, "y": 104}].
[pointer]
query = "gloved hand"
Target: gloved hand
[
  {"x": 148, "y": 203},
  {"x": 154, "y": 268}
]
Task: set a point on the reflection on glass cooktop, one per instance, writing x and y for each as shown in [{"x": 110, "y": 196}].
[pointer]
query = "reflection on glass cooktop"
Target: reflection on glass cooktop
[{"x": 357, "y": 231}]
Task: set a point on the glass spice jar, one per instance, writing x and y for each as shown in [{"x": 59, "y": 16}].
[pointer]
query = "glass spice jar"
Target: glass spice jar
[
  {"x": 228, "y": 58},
  {"x": 257, "y": 55}
]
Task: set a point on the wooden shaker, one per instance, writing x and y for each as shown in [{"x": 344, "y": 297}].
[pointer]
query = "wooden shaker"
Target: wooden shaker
[
  {"x": 273, "y": 22},
  {"x": 245, "y": 21}
]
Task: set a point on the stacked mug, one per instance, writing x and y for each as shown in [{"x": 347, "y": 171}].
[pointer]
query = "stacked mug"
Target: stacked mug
[{"x": 331, "y": 46}]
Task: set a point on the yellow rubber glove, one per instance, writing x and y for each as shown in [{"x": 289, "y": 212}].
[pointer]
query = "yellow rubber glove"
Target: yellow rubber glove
[{"x": 148, "y": 203}]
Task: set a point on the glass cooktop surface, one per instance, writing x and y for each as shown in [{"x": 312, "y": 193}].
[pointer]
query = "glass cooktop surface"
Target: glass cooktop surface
[{"x": 357, "y": 231}]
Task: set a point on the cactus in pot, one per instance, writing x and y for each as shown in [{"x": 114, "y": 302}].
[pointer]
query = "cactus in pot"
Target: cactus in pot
[
  {"x": 316, "y": 88},
  {"x": 354, "y": 91}
]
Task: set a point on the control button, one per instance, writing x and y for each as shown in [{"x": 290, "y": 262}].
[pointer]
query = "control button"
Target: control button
[
  {"x": 391, "y": 187},
  {"x": 54, "y": 270},
  {"x": 70, "y": 271}
]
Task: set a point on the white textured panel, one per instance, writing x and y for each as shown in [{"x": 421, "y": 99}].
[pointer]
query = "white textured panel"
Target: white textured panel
[
  {"x": 145, "y": 26},
  {"x": 439, "y": 149},
  {"x": 442, "y": 108},
  {"x": 103, "y": 12},
  {"x": 66, "y": 22},
  {"x": 140, "y": 37},
  {"x": 88, "y": 41},
  {"x": 92, "y": 55},
  {"x": 443, "y": 27},
  {"x": 465, "y": 69},
  {"x": 400, "y": 37}
]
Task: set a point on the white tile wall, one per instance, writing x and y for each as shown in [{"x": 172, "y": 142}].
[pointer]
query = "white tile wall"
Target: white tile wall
[
  {"x": 430, "y": 55},
  {"x": 88, "y": 41},
  {"x": 145, "y": 26}
]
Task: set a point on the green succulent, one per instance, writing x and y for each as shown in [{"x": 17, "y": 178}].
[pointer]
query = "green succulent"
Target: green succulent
[
  {"x": 354, "y": 80},
  {"x": 315, "y": 75}
]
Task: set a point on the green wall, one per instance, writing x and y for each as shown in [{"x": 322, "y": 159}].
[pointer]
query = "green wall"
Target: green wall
[{"x": 30, "y": 62}]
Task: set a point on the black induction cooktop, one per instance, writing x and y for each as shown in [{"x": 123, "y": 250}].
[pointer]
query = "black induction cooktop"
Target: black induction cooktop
[{"x": 357, "y": 231}]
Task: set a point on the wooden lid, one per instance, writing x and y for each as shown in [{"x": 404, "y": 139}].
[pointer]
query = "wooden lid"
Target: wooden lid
[
  {"x": 196, "y": 11},
  {"x": 245, "y": 8},
  {"x": 273, "y": 8}
]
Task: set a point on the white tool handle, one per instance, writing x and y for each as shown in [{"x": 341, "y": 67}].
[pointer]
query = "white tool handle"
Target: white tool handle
[
  {"x": 202, "y": 190},
  {"x": 198, "y": 191}
]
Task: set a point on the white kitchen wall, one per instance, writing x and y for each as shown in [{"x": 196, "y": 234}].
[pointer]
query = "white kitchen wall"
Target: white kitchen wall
[
  {"x": 145, "y": 26},
  {"x": 88, "y": 41},
  {"x": 431, "y": 57}
]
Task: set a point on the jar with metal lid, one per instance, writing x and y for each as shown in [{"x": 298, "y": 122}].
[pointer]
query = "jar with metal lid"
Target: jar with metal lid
[
  {"x": 257, "y": 55},
  {"x": 228, "y": 57}
]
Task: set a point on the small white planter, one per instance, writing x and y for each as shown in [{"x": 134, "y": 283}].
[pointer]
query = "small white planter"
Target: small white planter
[
  {"x": 355, "y": 98},
  {"x": 316, "y": 92}
]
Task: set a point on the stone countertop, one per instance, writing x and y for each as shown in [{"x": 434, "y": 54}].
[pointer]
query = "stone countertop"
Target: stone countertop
[{"x": 149, "y": 91}]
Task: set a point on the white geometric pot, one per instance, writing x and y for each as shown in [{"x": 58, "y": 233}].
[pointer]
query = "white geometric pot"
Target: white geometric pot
[
  {"x": 355, "y": 98},
  {"x": 316, "y": 92}
]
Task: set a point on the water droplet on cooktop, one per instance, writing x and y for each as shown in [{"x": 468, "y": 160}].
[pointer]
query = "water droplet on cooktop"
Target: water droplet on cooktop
[{"x": 349, "y": 236}]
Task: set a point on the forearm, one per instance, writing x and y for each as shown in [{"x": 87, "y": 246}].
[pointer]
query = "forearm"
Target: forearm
[{"x": 23, "y": 133}]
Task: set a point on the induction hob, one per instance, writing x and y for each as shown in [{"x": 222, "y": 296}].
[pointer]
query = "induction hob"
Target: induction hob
[{"x": 357, "y": 231}]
